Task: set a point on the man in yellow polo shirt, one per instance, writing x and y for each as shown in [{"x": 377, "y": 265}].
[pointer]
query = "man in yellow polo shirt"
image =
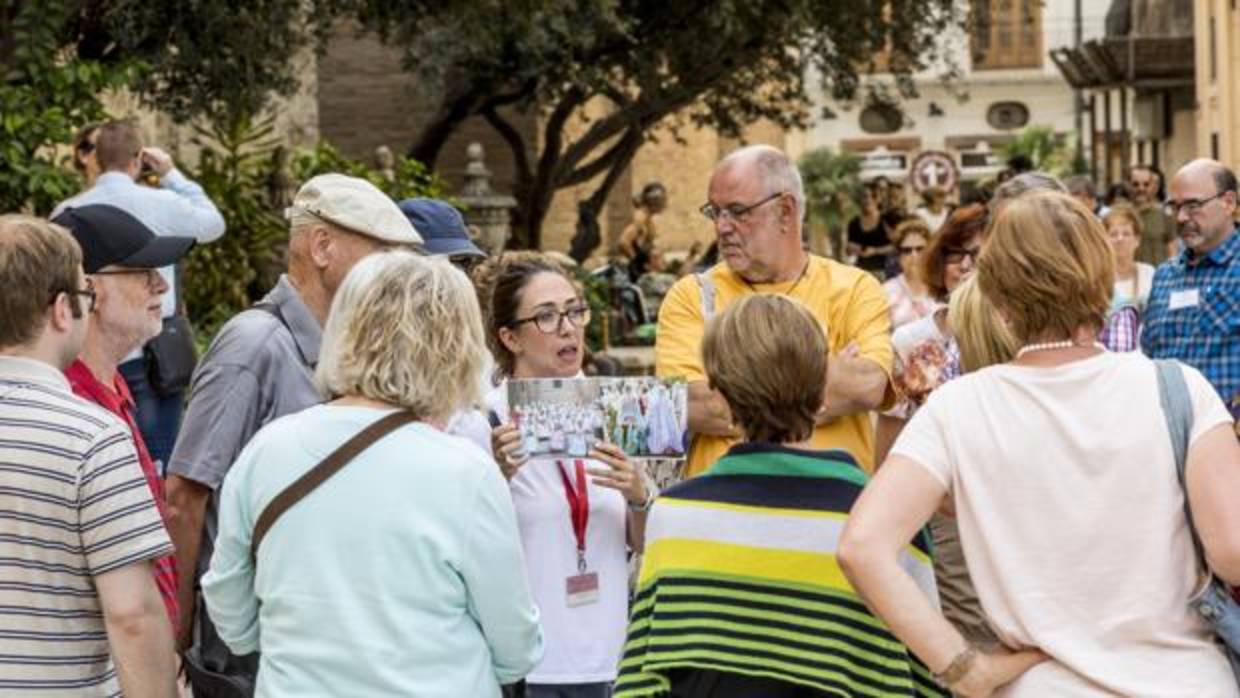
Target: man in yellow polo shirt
[{"x": 757, "y": 203}]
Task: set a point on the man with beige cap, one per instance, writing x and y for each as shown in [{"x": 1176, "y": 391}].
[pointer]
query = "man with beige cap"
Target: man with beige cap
[{"x": 258, "y": 368}]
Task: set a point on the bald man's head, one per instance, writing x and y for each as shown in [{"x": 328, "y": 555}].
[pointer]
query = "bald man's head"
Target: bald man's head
[
  {"x": 770, "y": 165},
  {"x": 1204, "y": 198}
]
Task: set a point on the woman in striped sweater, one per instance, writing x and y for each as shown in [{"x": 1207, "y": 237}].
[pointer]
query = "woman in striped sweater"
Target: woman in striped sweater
[{"x": 740, "y": 593}]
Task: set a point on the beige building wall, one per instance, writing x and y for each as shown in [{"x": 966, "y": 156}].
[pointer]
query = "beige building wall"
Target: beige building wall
[{"x": 1217, "y": 33}]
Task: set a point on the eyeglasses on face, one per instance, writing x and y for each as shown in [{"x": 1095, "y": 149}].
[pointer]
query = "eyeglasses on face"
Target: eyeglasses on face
[
  {"x": 152, "y": 277},
  {"x": 1191, "y": 206},
  {"x": 549, "y": 320},
  {"x": 735, "y": 212},
  {"x": 911, "y": 249},
  {"x": 957, "y": 255},
  {"x": 88, "y": 293}
]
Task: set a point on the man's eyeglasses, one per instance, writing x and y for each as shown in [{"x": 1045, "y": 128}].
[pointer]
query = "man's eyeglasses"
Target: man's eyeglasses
[
  {"x": 912, "y": 249},
  {"x": 88, "y": 293},
  {"x": 956, "y": 255},
  {"x": 1191, "y": 206},
  {"x": 735, "y": 212},
  {"x": 548, "y": 321},
  {"x": 152, "y": 277}
]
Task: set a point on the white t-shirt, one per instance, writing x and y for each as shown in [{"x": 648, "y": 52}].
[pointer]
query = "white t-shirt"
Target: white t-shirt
[
  {"x": 583, "y": 643},
  {"x": 933, "y": 220},
  {"x": 1071, "y": 521},
  {"x": 1127, "y": 293}
]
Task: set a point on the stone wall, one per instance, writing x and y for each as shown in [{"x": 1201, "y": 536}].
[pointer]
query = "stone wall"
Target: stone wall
[{"x": 366, "y": 100}]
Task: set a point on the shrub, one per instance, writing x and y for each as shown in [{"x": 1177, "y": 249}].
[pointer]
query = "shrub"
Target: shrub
[{"x": 235, "y": 168}]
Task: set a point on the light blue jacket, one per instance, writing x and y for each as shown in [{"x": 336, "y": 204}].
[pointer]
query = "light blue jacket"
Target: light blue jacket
[
  {"x": 400, "y": 575},
  {"x": 179, "y": 208}
]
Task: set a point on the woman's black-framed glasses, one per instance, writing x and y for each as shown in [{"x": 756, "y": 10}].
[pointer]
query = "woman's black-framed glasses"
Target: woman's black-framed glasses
[
  {"x": 956, "y": 255},
  {"x": 548, "y": 320}
]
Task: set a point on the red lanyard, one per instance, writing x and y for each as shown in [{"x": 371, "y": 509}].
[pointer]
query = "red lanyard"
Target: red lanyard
[{"x": 578, "y": 507}]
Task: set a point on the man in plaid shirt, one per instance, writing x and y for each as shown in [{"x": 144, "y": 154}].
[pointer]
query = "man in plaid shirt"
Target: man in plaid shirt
[{"x": 1194, "y": 309}]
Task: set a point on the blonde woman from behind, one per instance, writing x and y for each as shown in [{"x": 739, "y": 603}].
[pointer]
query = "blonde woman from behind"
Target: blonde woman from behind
[{"x": 382, "y": 580}]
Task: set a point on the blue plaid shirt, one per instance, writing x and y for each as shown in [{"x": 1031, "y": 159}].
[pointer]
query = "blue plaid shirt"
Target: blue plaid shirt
[{"x": 1205, "y": 334}]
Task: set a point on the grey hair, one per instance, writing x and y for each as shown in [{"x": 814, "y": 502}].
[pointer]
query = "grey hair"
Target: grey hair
[
  {"x": 775, "y": 168},
  {"x": 299, "y": 219},
  {"x": 1024, "y": 183},
  {"x": 1081, "y": 184}
]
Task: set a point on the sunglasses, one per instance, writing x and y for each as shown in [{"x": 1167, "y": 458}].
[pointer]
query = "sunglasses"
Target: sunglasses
[{"x": 912, "y": 249}]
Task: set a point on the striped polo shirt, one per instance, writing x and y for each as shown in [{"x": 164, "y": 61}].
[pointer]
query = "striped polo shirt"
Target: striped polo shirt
[{"x": 73, "y": 505}]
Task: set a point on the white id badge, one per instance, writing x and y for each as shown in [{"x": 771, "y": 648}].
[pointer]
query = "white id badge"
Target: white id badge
[
  {"x": 582, "y": 589},
  {"x": 1186, "y": 298}
]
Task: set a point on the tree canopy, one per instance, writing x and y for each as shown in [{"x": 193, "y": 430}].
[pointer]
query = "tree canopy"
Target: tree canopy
[
  {"x": 723, "y": 64},
  {"x": 638, "y": 64}
]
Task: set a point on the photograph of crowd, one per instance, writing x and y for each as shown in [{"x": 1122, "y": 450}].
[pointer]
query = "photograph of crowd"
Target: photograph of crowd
[{"x": 647, "y": 417}]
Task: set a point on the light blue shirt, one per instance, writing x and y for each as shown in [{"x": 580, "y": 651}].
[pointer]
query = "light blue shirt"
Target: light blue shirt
[
  {"x": 400, "y": 575},
  {"x": 179, "y": 208}
]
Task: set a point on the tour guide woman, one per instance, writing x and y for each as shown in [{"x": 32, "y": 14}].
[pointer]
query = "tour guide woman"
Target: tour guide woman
[
  {"x": 739, "y": 593},
  {"x": 575, "y": 515},
  {"x": 388, "y": 578},
  {"x": 1060, "y": 469}
]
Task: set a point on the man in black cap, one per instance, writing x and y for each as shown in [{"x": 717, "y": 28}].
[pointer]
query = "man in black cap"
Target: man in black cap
[{"x": 121, "y": 258}]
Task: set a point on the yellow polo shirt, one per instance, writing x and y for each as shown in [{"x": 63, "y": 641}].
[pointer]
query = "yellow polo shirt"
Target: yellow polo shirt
[{"x": 849, "y": 303}]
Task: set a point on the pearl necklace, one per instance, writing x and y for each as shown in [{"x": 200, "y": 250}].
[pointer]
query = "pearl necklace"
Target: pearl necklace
[{"x": 1047, "y": 346}]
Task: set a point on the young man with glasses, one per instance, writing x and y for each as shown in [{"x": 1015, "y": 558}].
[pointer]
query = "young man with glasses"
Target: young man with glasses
[
  {"x": 121, "y": 257},
  {"x": 757, "y": 205},
  {"x": 80, "y": 528},
  {"x": 1193, "y": 313}
]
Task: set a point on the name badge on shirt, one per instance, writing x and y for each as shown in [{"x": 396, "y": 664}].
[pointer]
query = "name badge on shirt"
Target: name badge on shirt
[
  {"x": 582, "y": 589},
  {"x": 1187, "y": 298}
]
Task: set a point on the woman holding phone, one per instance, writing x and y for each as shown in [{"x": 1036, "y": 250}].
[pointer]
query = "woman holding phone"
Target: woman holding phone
[{"x": 578, "y": 516}]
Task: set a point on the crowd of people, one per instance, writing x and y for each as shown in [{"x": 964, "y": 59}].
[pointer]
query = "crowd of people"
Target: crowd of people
[{"x": 965, "y": 481}]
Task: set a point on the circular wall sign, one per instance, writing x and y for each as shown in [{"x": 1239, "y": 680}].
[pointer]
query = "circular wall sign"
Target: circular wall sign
[{"x": 933, "y": 168}]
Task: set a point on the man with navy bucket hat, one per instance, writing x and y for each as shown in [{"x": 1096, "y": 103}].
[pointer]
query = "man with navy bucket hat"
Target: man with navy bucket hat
[{"x": 443, "y": 231}]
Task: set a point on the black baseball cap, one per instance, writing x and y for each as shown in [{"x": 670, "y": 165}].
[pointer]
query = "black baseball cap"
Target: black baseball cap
[{"x": 109, "y": 235}]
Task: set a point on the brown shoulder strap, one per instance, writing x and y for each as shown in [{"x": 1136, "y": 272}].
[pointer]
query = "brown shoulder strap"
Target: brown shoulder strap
[{"x": 319, "y": 474}]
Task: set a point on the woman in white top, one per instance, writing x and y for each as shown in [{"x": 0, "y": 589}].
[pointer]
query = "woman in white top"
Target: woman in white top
[
  {"x": 907, "y": 294},
  {"x": 1133, "y": 279},
  {"x": 536, "y": 320},
  {"x": 1060, "y": 470}
]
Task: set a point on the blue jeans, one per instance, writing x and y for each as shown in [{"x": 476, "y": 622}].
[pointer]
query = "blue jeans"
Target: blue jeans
[
  {"x": 568, "y": 690},
  {"x": 159, "y": 418}
]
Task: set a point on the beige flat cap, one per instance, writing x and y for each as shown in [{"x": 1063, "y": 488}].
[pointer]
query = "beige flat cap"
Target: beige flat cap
[{"x": 356, "y": 205}]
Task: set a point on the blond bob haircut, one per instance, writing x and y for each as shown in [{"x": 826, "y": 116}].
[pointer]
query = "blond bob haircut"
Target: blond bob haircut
[
  {"x": 767, "y": 355},
  {"x": 1047, "y": 267},
  {"x": 982, "y": 335},
  {"x": 405, "y": 330}
]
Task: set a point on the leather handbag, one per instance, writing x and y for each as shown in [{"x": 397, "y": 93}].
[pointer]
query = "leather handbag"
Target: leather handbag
[{"x": 1215, "y": 604}]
